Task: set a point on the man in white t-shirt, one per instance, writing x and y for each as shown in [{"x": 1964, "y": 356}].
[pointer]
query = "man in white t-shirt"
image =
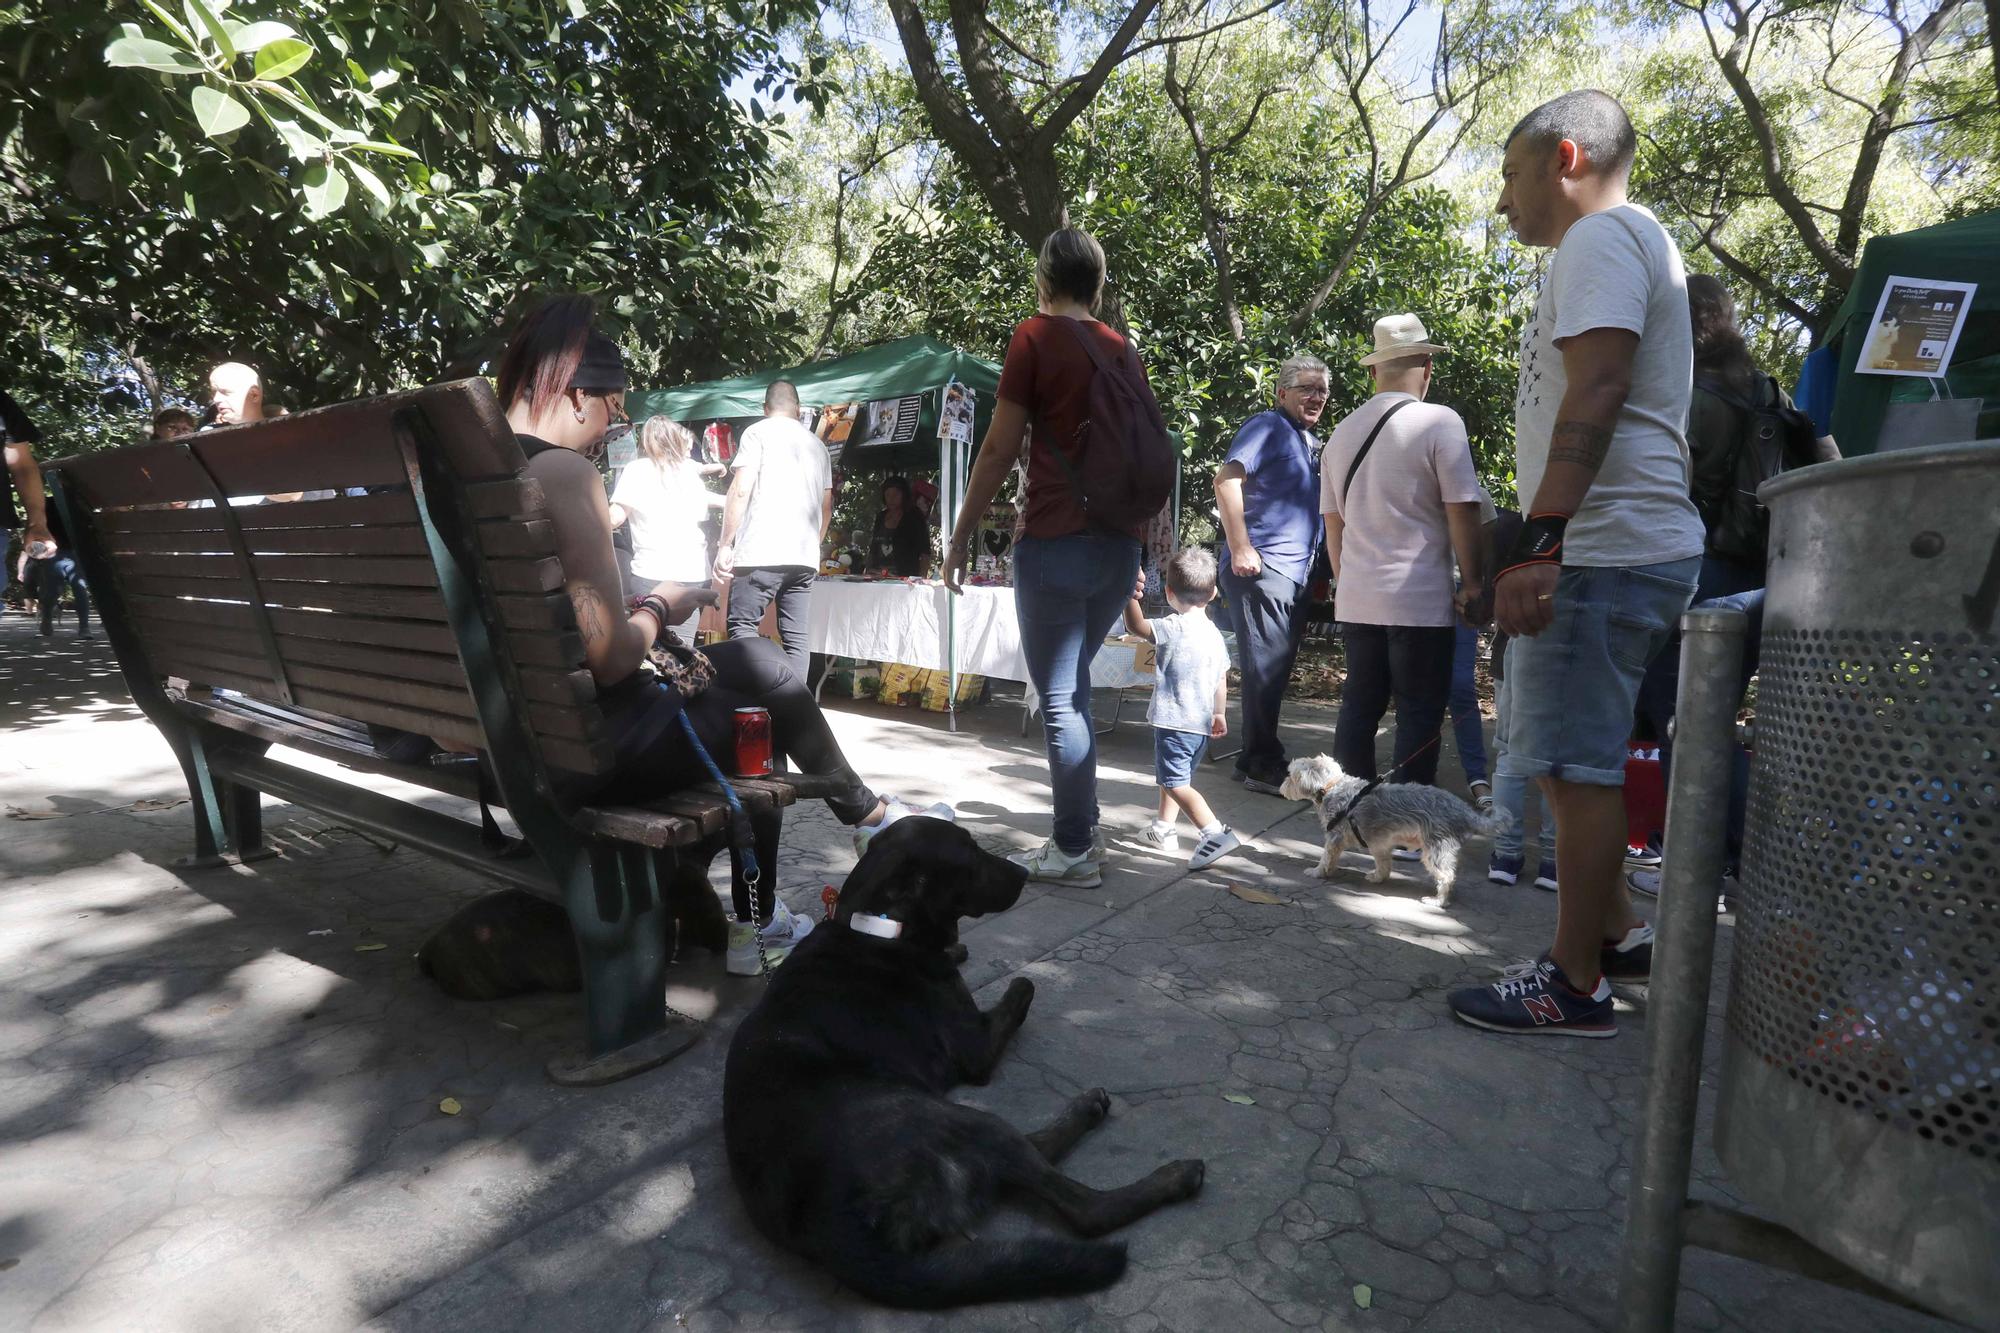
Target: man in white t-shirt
[
  {"x": 1400, "y": 498},
  {"x": 779, "y": 504},
  {"x": 1611, "y": 542}
]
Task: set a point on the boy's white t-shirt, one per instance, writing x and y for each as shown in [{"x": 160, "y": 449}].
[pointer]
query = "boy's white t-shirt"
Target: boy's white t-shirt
[
  {"x": 786, "y": 511},
  {"x": 666, "y": 506},
  {"x": 1191, "y": 662},
  {"x": 1616, "y": 269}
]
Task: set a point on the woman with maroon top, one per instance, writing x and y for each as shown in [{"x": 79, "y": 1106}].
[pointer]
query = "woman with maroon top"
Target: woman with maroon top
[{"x": 1071, "y": 579}]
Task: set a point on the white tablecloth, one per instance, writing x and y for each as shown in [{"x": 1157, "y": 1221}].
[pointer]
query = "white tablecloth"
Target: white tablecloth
[{"x": 905, "y": 622}]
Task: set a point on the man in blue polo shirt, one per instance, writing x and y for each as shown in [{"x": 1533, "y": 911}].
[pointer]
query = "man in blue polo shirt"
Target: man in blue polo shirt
[{"x": 1268, "y": 494}]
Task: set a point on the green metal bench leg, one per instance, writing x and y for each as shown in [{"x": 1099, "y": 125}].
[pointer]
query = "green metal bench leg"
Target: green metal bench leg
[
  {"x": 243, "y": 821},
  {"x": 624, "y": 974},
  {"x": 211, "y": 838}
]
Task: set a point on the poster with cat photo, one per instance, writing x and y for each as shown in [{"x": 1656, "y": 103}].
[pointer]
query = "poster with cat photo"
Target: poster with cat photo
[{"x": 1916, "y": 327}]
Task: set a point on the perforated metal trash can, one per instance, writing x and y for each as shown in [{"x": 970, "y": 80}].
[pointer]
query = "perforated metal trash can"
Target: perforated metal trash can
[{"x": 1860, "y": 1100}]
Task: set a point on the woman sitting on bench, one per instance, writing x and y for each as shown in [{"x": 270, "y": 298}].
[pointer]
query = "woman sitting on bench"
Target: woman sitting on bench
[{"x": 563, "y": 386}]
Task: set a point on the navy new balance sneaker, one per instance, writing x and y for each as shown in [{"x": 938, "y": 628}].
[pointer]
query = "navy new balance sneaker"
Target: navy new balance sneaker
[
  {"x": 1629, "y": 959},
  {"x": 1537, "y": 1000}
]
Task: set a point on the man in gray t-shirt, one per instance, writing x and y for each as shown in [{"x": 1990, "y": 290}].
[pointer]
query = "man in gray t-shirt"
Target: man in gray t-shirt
[{"x": 1611, "y": 544}]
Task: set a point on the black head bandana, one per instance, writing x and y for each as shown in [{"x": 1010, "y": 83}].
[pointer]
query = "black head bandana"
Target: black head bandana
[{"x": 602, "y": 369}]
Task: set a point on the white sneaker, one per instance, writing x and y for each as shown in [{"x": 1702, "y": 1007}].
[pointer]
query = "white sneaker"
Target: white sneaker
[
  {"x": 1159, "y": 835},
  {"x": 742, "y": 958},
  {"x": 1406, "y": 854},
  {"x": 1213, "y": 848},
  {"x": 1050, "y": 864},
  {"x": 897, "y": 809},
  {"x": 785, "y": 928}
]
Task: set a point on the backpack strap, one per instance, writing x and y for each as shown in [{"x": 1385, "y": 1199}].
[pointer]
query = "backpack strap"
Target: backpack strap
[
  {"x": 1090, "y": 347},
  {"x": 1366, "y": 445}
]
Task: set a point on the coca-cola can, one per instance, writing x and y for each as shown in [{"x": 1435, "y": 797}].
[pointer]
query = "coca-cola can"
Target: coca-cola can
[{"x": 753, "y": 742}]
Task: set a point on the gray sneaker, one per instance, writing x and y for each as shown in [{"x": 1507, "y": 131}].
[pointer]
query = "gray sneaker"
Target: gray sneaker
[
  {"x": 1050, "y": 864},
  {"x": 1213, "y": 848}
]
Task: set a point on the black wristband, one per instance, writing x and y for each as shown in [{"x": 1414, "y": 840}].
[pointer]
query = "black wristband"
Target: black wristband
[{"x": 1539, "y": 543}]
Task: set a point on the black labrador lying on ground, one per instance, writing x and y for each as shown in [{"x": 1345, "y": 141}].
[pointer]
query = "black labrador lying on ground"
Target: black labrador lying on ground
[{"x": 839, "y": 1135}]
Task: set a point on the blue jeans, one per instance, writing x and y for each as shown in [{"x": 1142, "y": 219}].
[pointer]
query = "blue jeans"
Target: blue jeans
[
  {"x": 1575, "y": 684},
  {"x": 1068, "y": 593},
  {"x": 1514, "y": 796},
  {"x": 48, "y": 577},
  {"x": 1268, "y": 614},
  {"x": 1466, "y": 722}
]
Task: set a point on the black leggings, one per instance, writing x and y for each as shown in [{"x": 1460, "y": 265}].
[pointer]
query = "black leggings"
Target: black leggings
[{"x": 749, "y": 673}]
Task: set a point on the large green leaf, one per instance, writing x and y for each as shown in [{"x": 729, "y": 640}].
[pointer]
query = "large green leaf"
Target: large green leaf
[
  {"x": 202, "y": 16},
  {"x": 256, "y": 36},
  {"x": 282, "y": 57},
  {"x": 325, "y": 190},
  {"x": 145, "y": 53},
  {"x": 217, "y": 112},
  {"x": 372, "y": 184}
]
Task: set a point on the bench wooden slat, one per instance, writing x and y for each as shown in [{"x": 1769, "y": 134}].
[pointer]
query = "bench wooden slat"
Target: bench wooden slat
[
  {"x": 490, "y": 500},
  {"x": 586, "y": 757},
  {"x": 528, "y": 576},
  {"x": 530, "y": 611},
  {"x": 559, "y": 652}
]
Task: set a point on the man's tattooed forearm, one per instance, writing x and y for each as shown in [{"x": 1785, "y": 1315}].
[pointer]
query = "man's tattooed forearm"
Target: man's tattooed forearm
[
  {"x": 1580, "y": 442},
  {"x": 591, "y": 619}
]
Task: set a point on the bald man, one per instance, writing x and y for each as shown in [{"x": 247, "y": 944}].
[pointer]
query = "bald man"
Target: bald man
[{"x": 236, "y": 392}]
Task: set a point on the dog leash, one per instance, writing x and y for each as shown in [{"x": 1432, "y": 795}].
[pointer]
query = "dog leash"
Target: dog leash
[
  {"x": 741, "y": 839},
  {"x": 1378, "y": 781}
]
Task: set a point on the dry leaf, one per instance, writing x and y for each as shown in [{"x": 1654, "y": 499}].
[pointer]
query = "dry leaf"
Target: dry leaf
[
  {"x": 369, "y": 948},
  {"x": 150, "y": 804},
  {"x": 14, "y": 813},
  {"x": 1364, "y": 1295},
  {"x": 327, "y": 931},
  {"x": 450, "y": 1106},
  {"x": 1239, "y": 1099},
  {"x": 1250, "y": 895}
]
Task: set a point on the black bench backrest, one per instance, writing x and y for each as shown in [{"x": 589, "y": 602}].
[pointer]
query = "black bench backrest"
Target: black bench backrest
[{"x": 358, "y": 626}]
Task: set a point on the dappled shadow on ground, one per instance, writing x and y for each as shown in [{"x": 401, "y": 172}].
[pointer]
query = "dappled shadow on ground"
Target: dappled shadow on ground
[{"x": 57, "y": 678}]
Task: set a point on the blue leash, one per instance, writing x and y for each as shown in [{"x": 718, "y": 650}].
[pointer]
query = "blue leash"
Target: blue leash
[{"x": 739, "y": 822}]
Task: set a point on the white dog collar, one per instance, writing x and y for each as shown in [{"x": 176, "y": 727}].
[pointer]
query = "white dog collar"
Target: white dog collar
[{"x": 881, "y": 927}]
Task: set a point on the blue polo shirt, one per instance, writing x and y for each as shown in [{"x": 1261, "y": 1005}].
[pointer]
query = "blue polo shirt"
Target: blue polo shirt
[{"x": 1280, "y": 491}]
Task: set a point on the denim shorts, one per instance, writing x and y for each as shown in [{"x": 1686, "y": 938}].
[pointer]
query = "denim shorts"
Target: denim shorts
[
  {"x": 1175, "y": 753},
  {"x": 1571, "y": 688}
]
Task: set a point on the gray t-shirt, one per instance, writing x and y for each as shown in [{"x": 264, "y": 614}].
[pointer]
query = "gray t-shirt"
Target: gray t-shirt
[
  {"x": 1618, "y": 270},
  {"x": 1192, "y": 661}
]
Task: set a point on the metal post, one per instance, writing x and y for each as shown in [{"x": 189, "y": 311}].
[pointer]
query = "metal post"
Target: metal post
[{"x": 1683, "y": 959}]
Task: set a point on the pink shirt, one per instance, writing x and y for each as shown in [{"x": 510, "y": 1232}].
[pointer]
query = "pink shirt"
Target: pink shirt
[{"x": 1395, "y": 545}]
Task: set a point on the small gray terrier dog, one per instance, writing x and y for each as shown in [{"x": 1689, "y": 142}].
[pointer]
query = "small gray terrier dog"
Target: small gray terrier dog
[{"x": 1395, "y": 812}]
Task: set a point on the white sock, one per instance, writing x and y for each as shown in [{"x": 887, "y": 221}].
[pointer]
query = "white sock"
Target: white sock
[{"x": 1213, "y": 830}]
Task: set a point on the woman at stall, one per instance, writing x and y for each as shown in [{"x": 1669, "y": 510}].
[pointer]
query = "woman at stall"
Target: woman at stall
[
  {"x": 661, "y": 500},
  {"x": 901, "y": 543},
  {"x": 1071, "y": 579},
  {"x": 563, "y": 385}
]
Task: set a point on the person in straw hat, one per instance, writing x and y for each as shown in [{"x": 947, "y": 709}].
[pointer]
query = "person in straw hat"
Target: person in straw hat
[{"x": 1400, "y": 500}]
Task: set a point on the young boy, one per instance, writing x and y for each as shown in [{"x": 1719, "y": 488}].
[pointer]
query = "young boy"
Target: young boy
[{"x": 1188, "y": 702}]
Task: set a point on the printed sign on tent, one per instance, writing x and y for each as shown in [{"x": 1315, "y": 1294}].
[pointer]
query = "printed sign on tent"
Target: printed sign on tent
[
  {"x": 1916, "y": 327},
  {"x": 955, "y": 415},
  {"x": 890, "y": 421}
]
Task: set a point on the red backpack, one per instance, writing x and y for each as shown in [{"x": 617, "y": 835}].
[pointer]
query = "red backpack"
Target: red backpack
[{"x": 1124, "y": 474}]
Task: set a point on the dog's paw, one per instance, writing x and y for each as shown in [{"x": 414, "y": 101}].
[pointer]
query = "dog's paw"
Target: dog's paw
[
  {"x": 1378, "y": 876},
  {"x": 1095, "y": 1105},
  {"x": 957, "y": 954},
  {"x": 1182, "y": 1179},
  {"x": 1020, "y": 991},
  {"x": 1437, "y": 900}
]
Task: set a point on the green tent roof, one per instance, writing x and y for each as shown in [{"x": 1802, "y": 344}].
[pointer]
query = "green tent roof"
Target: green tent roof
[
  {"x": 890, "y": 370},
  {"x": 1967, "y": 250}
]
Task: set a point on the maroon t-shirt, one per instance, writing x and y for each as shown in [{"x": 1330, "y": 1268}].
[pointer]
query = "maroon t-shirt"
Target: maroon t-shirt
[{"x": 1049, "y": 374}]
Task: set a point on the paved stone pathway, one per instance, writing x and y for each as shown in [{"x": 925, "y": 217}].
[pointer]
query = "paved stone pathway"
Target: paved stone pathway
[{"x": 220, "y": 1100}]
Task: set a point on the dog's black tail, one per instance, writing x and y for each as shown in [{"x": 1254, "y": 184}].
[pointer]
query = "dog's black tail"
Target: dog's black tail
[{"x": 976, "y": 1271}]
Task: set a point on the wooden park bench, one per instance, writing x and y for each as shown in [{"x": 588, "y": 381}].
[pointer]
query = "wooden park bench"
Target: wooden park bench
[{"x": 432, "y": 603}]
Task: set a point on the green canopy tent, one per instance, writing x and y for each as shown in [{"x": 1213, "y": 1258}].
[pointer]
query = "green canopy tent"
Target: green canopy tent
[
  {"x": 1967, "y": 250},
  {"x": 902, "y": 383}
]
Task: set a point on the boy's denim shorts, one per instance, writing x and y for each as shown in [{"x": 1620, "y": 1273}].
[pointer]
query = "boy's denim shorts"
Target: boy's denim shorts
[
  {"x": 1572, "y": 687},
  {"x": 1175, "y": 754}
]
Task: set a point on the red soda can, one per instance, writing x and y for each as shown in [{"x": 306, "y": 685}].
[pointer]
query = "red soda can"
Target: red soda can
[{"x": 753, "y": 742}]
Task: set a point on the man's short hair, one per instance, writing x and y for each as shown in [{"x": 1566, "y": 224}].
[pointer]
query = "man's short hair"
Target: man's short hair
[
  {"x": 1592, "y": 120},
  {"x": 1298, "y": 366},
  {"x": 782, "y": 396},
  {"x": 1396, "y": 365},
  {"x": 1191, "y": 573}
]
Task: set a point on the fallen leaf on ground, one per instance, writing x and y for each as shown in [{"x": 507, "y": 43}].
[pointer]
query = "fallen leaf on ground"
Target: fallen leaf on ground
[
  {"x": 369, "y": 948},
  {"x": 1239, "y": 1099},
  {"x": 1364, "y": 1295},
  {"x": 327, "y": 931},
  {"x": 16, "y": 813},
  {"x": 450, "y": 1106},
  {"x": 151, "y": 804},
  {"x": 1250, "y": 895}
]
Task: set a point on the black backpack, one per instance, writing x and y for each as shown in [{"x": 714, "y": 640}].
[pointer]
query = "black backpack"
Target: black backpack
[
  {"x": 1775, "y": 437},
  {"x": 1124, "y": 473}
]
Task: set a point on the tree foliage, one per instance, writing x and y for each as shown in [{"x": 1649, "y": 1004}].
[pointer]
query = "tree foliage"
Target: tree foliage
[{"x": 353, "y": 197}]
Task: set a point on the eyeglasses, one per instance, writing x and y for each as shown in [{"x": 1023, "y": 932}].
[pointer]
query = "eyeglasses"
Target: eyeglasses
[{"x": 1308, "y": 390}]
